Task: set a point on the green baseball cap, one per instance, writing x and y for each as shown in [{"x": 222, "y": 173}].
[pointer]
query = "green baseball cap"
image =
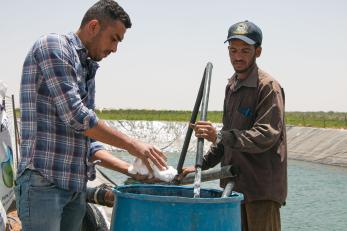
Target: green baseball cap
[{"x": 246, "y": 31}]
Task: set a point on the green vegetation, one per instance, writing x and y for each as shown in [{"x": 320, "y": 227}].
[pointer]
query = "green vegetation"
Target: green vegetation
[
  {"x": 214, "y": 116},
  {"x": 307, "y": 119},
  {"x": 317, "y": 119}
]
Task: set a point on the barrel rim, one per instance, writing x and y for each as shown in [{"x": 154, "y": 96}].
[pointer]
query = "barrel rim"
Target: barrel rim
[{"x": 235, "y": 196}]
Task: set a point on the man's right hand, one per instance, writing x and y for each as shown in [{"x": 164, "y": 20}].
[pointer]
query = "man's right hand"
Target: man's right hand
[
  {"x": 105, "y": 134},
  {"x": 148, "y": 152}
]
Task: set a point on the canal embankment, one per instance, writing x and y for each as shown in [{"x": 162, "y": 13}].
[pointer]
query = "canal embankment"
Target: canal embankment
[{"x": 320, "y": 145}]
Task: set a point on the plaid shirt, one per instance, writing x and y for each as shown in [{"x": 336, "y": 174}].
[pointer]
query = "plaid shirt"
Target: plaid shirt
[{"x": 57, "y": 99}]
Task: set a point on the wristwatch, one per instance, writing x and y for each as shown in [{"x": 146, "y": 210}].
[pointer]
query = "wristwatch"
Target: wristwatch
[{"x": 219, "y": 137}]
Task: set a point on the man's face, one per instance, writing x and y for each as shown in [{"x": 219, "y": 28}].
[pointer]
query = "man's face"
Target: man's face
[
  {"x": 242, "y": 55},
  {"x": 106, "y": 40}
]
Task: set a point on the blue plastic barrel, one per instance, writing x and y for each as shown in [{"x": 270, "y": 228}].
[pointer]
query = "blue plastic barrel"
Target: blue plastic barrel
[{"x": 165, "y": 208}]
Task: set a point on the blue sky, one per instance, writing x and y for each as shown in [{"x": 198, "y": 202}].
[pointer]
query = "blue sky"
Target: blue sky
[{"x": 160, "y": 63}]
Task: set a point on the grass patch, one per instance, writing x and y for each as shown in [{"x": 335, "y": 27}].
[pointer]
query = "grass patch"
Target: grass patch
[
  {"x": 307, "y": 119},
  {"x": 150, "y": 115},
  {"x": 317, "y": 119}
]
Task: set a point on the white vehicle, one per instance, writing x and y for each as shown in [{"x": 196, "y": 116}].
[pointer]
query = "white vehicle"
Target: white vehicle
[{"x": 7, "y": 167}]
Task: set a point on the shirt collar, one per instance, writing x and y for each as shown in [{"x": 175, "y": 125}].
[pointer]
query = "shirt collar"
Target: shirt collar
[
  {"x": 81, "y": 50},
  {"x": 76, "y": 41},
  {"x": 250, "y": 81}
]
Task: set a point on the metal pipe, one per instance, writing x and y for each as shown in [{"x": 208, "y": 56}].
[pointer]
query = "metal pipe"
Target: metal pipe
[
  {"x": 101, "y": 195},
  {"x": 190, "y": 130},
  {"x": 203, "y": 117},
  {"x": 228, "y": 171},
  {"x": 16, "y": 132},
  {"x": 228, "y": 189}
]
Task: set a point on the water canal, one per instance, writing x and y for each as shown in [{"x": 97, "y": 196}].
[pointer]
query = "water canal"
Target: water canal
[{"x": 317, "y": 197}]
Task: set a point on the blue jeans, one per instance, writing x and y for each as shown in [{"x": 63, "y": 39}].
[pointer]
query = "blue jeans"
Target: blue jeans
[{"x": 43, "y": 206}]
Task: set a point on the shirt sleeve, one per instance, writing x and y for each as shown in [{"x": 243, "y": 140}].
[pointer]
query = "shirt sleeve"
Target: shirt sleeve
[
  {"x": 95, "y": 146},
  {"x": 56, "y": 61},
  {"x": 213, "y": 156},
  {"x": 268, "y": 125}
]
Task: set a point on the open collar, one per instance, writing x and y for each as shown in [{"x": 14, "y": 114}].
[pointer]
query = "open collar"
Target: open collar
[
  {"x": 250, "y": 81},
  {"x": 82, "y": 51}
]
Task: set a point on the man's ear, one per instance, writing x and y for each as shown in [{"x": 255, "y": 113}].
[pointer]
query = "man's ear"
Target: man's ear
[
  {"x": 258, "y": 51},
  {"x": 93, "y": 27}
]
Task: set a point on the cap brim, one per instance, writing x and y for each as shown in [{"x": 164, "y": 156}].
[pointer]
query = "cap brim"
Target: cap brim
[{"x": 241, "y": 37}]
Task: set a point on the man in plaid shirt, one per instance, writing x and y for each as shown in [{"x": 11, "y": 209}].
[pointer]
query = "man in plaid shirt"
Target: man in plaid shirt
[{"x": 59, "y": 127}]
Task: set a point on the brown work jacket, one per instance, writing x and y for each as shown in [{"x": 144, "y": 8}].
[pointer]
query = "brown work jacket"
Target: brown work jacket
[{"x": 253, "y": 137}]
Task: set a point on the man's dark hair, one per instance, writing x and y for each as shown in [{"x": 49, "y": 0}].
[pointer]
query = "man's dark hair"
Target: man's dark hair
[{"x": 105, "y": 10}]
